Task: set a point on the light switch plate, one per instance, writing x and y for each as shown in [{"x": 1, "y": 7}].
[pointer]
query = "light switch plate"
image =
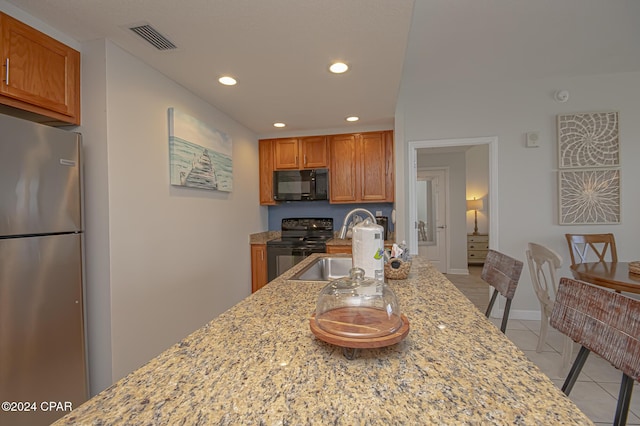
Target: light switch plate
[{"x": 533, "y": 139}]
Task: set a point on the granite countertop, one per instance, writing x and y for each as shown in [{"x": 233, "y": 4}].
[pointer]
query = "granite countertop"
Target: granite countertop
[
  {"x": 263, "y": 237},
  {"x": 259, "y": 363}
]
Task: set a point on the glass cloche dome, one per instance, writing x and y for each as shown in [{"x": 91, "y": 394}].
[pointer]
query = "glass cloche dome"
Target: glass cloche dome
[{"x": 358, "y": 307}]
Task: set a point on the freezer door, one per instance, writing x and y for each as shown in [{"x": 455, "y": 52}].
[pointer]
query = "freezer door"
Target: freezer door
[
  {"x": 42, "y": 346},
  {"x": 40, "y": 188}
]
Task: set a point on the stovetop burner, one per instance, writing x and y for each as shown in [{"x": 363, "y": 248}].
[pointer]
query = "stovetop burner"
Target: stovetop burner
[{"x": 298, "y": 232}]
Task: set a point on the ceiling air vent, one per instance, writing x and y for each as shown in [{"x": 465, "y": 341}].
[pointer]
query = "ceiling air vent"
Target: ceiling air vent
[{"x": 153, "y": 37}]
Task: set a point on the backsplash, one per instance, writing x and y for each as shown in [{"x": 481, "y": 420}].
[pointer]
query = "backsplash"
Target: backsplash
[{"x": 323, "y": 209}]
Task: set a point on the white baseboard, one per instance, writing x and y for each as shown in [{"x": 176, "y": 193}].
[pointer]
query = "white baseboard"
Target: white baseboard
[{"x": 458, "y": 272}]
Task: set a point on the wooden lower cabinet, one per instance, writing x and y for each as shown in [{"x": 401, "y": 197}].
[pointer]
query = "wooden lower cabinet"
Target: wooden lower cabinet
[
  {"x": 347, "y": 248},
  {"x": 258, "y": 266},
  {"x": 339, "y": 249}
]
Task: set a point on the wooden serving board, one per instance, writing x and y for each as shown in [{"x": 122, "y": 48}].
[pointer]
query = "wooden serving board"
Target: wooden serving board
[{"x": 365, "y": 334}]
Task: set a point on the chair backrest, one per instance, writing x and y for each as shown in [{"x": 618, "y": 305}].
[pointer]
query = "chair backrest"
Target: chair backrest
[
  {"x": 581, "y": 245},
  {"x": 502, "y": 272},
  {"x": 602, "y": 321},
  {"x": 543, "y": 264}
]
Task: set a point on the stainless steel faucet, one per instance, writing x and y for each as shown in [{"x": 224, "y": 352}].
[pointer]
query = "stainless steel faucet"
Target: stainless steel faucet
[{"x": 343, "y": 230}]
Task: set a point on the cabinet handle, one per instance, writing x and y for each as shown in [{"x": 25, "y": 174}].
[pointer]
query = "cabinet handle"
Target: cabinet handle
[
  {"x": 296, "y": 160},
  {"x": 6, "y": 73}
]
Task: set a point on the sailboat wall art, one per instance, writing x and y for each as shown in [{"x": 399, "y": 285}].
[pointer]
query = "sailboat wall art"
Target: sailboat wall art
[{"x": 199, "y": 156}]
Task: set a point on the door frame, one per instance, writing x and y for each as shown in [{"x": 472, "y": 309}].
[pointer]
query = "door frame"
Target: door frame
[
  {"x": 414, "y": 146},
  {"x": 445, "y": 190}
]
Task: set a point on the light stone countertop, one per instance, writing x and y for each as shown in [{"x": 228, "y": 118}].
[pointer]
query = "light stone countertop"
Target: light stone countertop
[
  {"x": 263, "y": 237},
  {"x": 259, "y": 363}
]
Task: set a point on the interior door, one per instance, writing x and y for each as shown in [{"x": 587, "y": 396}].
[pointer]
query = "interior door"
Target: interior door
[{"x": 431, "y": 223}]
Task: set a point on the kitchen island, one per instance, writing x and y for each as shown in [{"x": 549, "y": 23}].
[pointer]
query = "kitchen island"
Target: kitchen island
[{"x": 259, "y": 363}]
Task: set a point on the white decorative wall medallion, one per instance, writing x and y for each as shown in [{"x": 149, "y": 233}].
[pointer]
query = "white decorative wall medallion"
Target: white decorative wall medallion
[
  {"x": 588, "y": 140},
  {"x": 589, "y": 196}
]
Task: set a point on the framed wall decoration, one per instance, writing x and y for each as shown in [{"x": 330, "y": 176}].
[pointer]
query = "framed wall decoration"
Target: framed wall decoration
[
  {"x": 200, "y": 156},
  {"x": 589, "y": 196},
  {"x": 588, "y": 140}
]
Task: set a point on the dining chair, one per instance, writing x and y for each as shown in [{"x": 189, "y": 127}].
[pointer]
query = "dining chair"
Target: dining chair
[
  {"x": 502, "y": 273},
  {"x": 543, "y": 265},
  {"x": 581, "y": 245},
  {"x": 603, "y": 322}
]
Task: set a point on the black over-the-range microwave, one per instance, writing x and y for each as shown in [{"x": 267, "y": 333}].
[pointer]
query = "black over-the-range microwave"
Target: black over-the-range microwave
[{"x": 300, "y": 185}]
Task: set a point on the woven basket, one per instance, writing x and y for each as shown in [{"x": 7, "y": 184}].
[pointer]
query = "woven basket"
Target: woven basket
[
  {"x": 396, "y": 269},
  {"x": 634, "y": 267}
]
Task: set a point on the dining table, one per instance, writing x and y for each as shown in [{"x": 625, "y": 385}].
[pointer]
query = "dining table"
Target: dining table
[{"x": 613, "y": 275}]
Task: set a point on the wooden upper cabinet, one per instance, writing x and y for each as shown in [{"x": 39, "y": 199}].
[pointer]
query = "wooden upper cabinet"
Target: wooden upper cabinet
[
  {"x": 342, "y": 171},
  {"x": 39, "y": 74},
  {"x": 361, "y": 167},
  {"x": 314, "y": 152},
  {"x": 360, "y": 164},
  {"x": 372, "y": 162},
  {"x": 390, "y": 166},
  {"x": 286, "y": 153},
  {"x": 265, "y": 150},
  {"x": 301, "y": 153}
]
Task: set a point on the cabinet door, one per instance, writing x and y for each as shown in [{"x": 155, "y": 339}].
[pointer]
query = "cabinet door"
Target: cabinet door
[
  {"x": 314, "y": 152},
  {"x": 286, "y": 154},
  {"x": 339, "y": 249},
  {"x": 39, "y": 71},
  {"x": 258, "y": 266},
  {"x": 373, "y": 165},
  {"x": 390, "y": 164},
  {"x": 265, "y": 150},
  {"x": 343, "y": 177}
]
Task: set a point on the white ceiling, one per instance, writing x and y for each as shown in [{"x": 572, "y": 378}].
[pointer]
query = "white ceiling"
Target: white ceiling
[{"x": 279, "y": 50}]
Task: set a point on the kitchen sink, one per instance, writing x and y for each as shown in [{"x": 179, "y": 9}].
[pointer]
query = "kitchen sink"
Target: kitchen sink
[{"x": 324, "y": 269}]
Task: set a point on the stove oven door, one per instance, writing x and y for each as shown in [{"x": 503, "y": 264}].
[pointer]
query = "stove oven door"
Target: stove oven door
[{"x": 281, "y": 259}]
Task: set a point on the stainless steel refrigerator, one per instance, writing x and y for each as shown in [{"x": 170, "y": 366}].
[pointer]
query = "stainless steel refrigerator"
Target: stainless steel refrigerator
[{"x": 42, "y": 334}]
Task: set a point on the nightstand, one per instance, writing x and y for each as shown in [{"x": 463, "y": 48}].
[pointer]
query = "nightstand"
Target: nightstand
[{"x": 477, "y": 248}]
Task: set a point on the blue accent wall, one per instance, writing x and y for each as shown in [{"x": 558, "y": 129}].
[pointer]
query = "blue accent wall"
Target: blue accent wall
[{"x": 322, "y": 209}]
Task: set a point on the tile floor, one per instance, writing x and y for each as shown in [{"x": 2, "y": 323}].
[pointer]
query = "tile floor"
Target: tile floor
[{"x": 596, "y": 390}]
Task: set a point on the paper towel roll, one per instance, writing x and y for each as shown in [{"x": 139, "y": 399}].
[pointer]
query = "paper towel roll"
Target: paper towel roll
[{"x": 367, "y": 246}]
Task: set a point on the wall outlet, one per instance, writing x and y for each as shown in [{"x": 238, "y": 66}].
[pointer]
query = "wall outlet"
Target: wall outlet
[{"x": 378, "y": 212}]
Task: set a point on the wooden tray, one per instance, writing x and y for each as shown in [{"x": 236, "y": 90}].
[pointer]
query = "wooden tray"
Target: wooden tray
[
  {"x": 361, "y": 342},
  {"x": 634, "y": 267}
]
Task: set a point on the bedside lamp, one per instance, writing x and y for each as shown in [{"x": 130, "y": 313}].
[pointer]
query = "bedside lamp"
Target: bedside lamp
[{"x": 475, "y": 205}]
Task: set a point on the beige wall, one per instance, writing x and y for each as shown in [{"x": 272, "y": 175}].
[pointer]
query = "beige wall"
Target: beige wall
[
  {"x": 165, "y": 260},
  {"x": 527, "y": 203}
]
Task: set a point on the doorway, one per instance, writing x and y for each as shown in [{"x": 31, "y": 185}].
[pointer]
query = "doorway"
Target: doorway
[
  {"x": 431, "y": 200},
  {"x": 459, "y": 267}
]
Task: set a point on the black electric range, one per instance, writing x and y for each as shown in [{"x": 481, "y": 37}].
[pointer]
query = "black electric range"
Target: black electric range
[{"x": 300, "y": 237}]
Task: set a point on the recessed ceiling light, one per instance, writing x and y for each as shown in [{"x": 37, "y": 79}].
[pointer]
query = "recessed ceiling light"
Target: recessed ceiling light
[
  {"x": 338, "y": 67},
  {"x": 352, "y": 118},
  {"x": 279, "y": 124},
  {"x": 227, "y": 81}
]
